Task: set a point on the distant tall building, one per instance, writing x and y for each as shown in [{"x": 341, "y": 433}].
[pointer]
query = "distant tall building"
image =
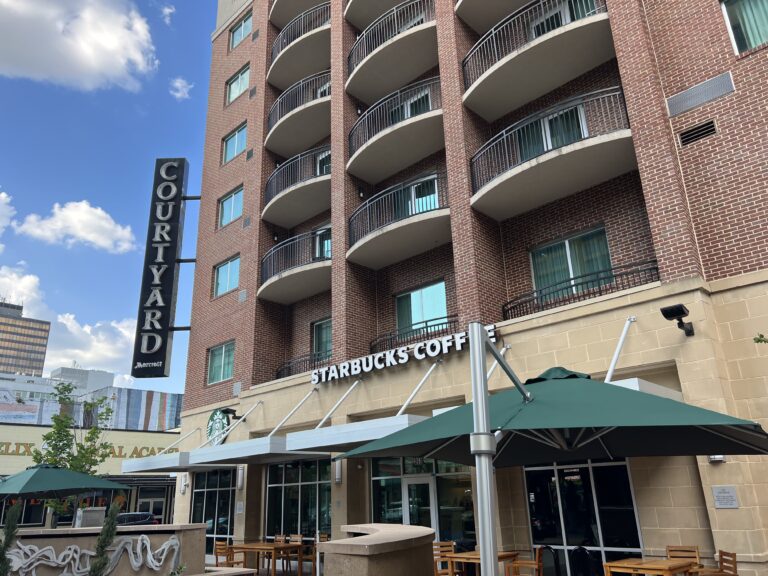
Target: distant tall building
[
  {"x": 23, "y": 341},
  {"x": 90, "y": 380}
]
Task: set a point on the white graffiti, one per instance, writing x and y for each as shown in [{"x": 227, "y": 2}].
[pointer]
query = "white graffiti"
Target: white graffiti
[{"x": 72, "y": 561}]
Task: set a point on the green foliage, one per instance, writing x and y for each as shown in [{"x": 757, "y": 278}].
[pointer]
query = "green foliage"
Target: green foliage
[
  {"x": 761, "y": 339},
  {"x": 10, "y": 530},
  {"x": 78, "y": 450},
  {"x": 106, "y": 537},
  {"x": 178, "y": 571}
]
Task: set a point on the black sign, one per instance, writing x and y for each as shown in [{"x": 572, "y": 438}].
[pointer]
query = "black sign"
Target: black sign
[{"x": 157, "y": 303}]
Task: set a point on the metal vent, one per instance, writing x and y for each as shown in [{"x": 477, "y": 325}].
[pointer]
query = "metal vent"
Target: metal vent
[
  {"x": 700, "y": 94},
  {"x": 255, "y": 34},
  {"x": 249, "y": 154},
  {"x": 252, "y": 92},
  {"x": 246, "y": 222},
  {"x": 697, "y": 132},
  {"x": 242, "y": 296}
]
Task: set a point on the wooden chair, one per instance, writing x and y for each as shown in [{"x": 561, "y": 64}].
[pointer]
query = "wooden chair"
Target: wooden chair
[
  {"x": 726, "y": 566},
  {"x": 685, "y": 553},
  {"x": 223, "y": 550},
  {"x": 536, "y": 564},
  {"x": 439, "y": 550}
]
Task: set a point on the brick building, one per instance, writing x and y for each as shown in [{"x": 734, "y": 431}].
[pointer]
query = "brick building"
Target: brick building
[{"x": 381, "y": 173}]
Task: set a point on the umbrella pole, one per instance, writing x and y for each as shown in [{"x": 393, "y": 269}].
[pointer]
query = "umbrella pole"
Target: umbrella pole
[{"x": 483, "y": 446}]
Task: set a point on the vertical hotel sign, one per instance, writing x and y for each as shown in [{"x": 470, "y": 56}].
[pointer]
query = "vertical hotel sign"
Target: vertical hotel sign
[{"x": 157, "y": 304}]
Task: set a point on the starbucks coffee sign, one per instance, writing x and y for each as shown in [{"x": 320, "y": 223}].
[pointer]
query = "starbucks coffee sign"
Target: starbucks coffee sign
[{"x": 218, "y": 422}]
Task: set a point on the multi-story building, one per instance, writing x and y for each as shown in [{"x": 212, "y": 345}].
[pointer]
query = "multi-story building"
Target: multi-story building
[
  {"x": 381, "y": 173},
  {"x": 23, "y": 341}
]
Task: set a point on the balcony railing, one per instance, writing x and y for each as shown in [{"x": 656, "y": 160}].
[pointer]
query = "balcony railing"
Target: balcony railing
[
  {"x": 413, "y": 100},
  {"x": 393, "y": 22},
  {"x": 523, "y": 27},
  {"x": 303, "y": 24},
  {"x": 579, "y": 118},
  {"x": 401, "y": 201},
  {"x": 418, "y": 332},
  {"x": 582, "y": 288},
  {"x": 303, "y": 92},
  {"x": 303, "y": 364},
  {"x": 306, "y": 166},
  {"x": 300, "y": 250}
]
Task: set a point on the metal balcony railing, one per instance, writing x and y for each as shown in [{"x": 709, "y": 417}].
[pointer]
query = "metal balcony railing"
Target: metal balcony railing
[
  {"x": 417, "y": 98},
  {"x": 582, "y": 288},
  {"x": 523, "y": 27},
  {"x": 576, "y": 119},
  {"x": 302, "y": 168},
  {"x": 298, "y": 251},
  {"x": 398, "y": 202},
  {"x": 304, "y": 363},
  {"x": 393, "y": 22},
  {"x": 303, "y": 24},
  {"x": 302, "y": 92},
  {"x": 418, "y": 332}
]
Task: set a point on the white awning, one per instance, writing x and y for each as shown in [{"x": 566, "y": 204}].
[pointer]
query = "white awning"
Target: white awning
[
  {"x": 253, "y": 451},
  {"x": 344, "y": 437},
  {"x": 174, "y": 462}
]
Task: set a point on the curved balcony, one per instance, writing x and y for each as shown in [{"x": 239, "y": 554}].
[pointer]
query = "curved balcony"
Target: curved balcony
[
  {"x": 297, "y": 268},
  {"x": 582, "y": 288},
  {"x": 557, "y": 152},
  {"x": 299, "y": 189},
  {"x": 399, "y": 46},
  {"x": 548, "y": 43},
  {"x": 302, "y": 364},
  {"x": 407, "y": 219},
  {"x": 397, "y": 131},
  {"x": 481, "y": 15},
  {"x": 302, "y": 48},
  {"x": 301, "y": 116},
  {"x": 281, "y": 12},
  {"x": 361, "y": 13},
  {"x": 418, "y": 332}
]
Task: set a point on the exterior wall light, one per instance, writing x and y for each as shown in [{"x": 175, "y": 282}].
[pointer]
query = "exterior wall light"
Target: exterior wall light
[
  {"x": 678, "y": 312},
  {"x": 716, "y": 459}
]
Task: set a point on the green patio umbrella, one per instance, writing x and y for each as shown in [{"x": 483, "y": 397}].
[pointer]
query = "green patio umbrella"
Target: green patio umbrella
[
  {"x": 46, "y": 481},
  {"x": 573, "y": 417}
]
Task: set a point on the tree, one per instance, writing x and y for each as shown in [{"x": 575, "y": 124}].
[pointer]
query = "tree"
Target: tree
[
  {"x": 64, "y": 447},
  {"x": 106, "y": 537},
  {"x": 761, "y": 339},
  {"x": 9, "y": 536}
]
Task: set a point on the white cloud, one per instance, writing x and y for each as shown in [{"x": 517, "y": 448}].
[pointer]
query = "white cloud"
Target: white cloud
[
  {"x": 167, "y": 12},
  {"x": 20, "y": 287},
  {"x": 180, "y": 88},
  {"x": 7, "y": 213},
  {"x": 78, "y": 223},
  {"x": 88, "y": 44}
]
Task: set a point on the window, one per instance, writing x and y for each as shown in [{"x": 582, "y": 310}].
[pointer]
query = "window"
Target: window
[
  {"x": 213, "y": 504},
  {"x": 238, "y": 84},
  {"x": 417, "y": 197},
  {"x": 422, "y": 308},
  {"x": 554, "y": 131},
  {"x": 323, "y": 163},
  {"x": 748, "y": 23},
  {"x": 221, "y": 362},
  {"x": 417, "y": 104},
  {"x": 299, "y": 498},
  {"x": 321, "y": 339},
  {"x": 227, "y": 276},
  {"x": 234, "y": 144},
  {"x": 231, "y": 207},
  {"x": 565, "y": 267},
  {"x": 323, "y": 90},
  {"x": 321, "y": 243},
  {"x": 241, "y": 30}
]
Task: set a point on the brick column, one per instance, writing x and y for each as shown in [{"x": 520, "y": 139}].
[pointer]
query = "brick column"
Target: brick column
[{"x": 663, "y": 186}]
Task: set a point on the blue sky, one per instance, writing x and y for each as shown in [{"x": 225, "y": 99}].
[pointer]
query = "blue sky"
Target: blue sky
[{"x": 86, "y": 105}]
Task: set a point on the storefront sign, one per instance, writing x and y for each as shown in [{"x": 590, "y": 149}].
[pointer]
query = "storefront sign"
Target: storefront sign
[
  {"x": 218, "y": 422},
  {"x": 396, "y": 356},
  {"x": 157, "y": 304},
  {"x": 119, "y": 451},
  {"x": 725, "y": 496}
]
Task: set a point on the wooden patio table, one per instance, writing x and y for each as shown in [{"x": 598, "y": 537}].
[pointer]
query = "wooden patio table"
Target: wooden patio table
[
  {"x": 654, "y": 567},
  {"x": 473, "y": 557},
  {"x": 274, "y": 549}
]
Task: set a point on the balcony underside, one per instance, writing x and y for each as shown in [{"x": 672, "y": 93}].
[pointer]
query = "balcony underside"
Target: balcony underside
[
  {"x": 361, "y": 13},
  {"x": 299, "y": 202},
  {"x": 297, "y": 283},
  {"x": 557, "y": 174},
  {"x": 398, "y": 146},
  {"x": 283, "y": 11},
  {"x": 482, "y": 15},
  {"x": 301, "y": 128},
  {"x": 303, "y": 57},
  {"x": 546, "y": 63},
  {"x": 402, "y": 240},
  {"x": 395, "y": 63}
]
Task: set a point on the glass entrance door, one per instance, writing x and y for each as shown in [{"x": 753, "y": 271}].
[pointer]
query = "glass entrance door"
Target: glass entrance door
[{"x": 419, "y": 497}]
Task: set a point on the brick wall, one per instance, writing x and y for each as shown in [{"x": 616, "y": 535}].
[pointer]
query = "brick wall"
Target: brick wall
[{"x": 299, "y": 318}]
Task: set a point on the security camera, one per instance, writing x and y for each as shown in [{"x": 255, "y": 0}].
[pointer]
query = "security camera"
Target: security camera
[{"x": 677, "y": 312}]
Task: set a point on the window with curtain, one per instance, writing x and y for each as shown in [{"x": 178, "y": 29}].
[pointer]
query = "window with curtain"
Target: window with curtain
[
  {"x": 221, "y": 362},
  {"x": 545, "y": 134},
  {"x": 421, "y": 196},
  {"x": 422, "y": 308},
  {"x": 321, "y": 339},
  {"x": 321, "y": 243},
  {"x": 748, "y": 21},
  {"x": 573, "y": 265}
]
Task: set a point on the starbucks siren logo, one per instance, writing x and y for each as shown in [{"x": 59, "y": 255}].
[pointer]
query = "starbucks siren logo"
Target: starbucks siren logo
[{"x": 217, "y": 424}]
